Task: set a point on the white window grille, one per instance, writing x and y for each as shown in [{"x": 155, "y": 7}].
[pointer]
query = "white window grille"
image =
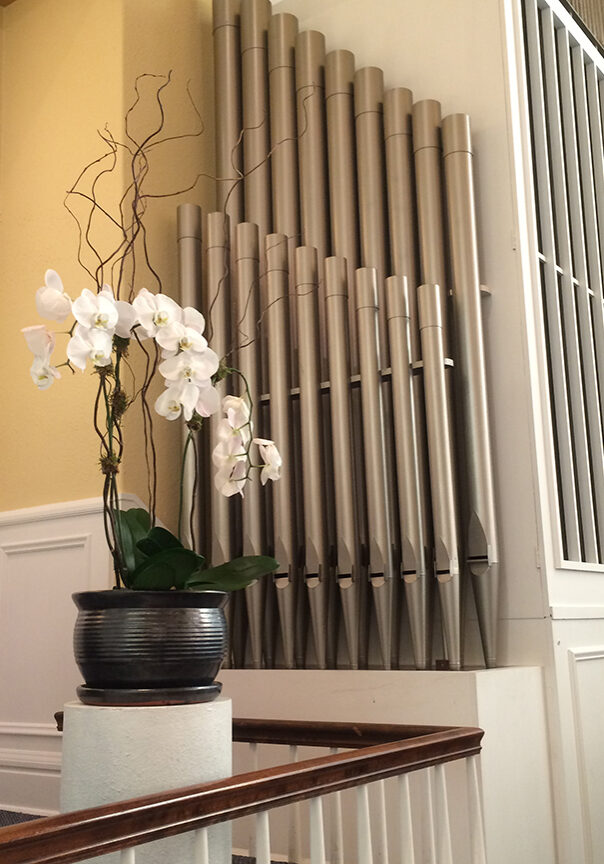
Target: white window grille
[{"x": 566, "y": 91}]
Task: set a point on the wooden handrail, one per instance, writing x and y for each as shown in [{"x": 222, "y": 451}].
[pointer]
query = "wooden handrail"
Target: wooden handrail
[{"x": 88, "y": 833}]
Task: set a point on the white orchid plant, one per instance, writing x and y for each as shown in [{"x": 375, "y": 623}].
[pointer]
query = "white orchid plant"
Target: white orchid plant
[{"x": 145, "y": 555}]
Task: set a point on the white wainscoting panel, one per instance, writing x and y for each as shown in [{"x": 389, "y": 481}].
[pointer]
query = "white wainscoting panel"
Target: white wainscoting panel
[
  {"x": 46, "y": 554},
  {"x": 587, "y": 683}
]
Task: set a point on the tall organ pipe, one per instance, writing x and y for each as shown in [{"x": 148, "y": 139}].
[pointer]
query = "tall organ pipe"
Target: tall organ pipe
[
  {"x": 217, "y": 304},
  {"x": 482, "y": 546},
  {"x": 339, "y": 101},
  {"x": 346, "y": 501},
  {"x": 442, "y": 475},
  {"x": 255, "y": 16},
  {"x": 312, "y": 156},
  {"x": 409, "y": 470},
  {"x": 427, "y": 153},
  {"x": 188, "y": 233},
  {"x": 343, "y": 197},
  {"x": 403, "y": 244},
  {"x": 282, "y": 35},
  {"x": 380, "y": 533},
  {"x": 315, "y": 540},
  {"x": 401, "y": 198},
  {"x": 248, "y": 361},
  {"x": 227, "y": 78},
  {"x": 277, "y": 322},
  {"x": 369, "y": 124}
]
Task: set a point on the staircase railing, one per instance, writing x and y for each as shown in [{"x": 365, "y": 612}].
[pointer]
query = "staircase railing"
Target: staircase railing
[{"x": 373, "y": 753}]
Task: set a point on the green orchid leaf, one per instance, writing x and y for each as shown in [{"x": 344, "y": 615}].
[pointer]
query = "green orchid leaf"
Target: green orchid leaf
[
  {"x": 235, "y": 574},
  {"x": 131, "y": 526},
  {"x": 169, "y": 568},
  {"x": 158, "y": 539}
]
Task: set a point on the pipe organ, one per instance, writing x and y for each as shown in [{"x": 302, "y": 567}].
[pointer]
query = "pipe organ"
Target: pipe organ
[{"x": 341, "y": 271}]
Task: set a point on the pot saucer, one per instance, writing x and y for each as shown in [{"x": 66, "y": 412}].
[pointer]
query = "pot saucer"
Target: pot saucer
[{"x": 124, "y": 697}]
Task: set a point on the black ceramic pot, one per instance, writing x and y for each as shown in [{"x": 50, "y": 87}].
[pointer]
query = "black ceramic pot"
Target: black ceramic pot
[{"x": 151, "y": 647}]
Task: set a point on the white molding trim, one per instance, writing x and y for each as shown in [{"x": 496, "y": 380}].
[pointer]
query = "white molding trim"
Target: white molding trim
[
  {"x": 580, "y": 654},
  {"x": 45, "y": 730},
  {"x": 62, "y": 510},
  {"x": 30, "y": 760},
  {"x": 46, "y": 544},
  {"x": 579, "y": 566},
  {"x": 576, "y": 613}
]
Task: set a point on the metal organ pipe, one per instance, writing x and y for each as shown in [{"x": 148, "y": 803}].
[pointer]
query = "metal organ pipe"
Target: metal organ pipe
[
  {"x": 427, "y": 153},
  {"x": 315, "y": 540},
  {"x": 277, "y": 322},
  {"x": 255, "y": 16},
  {"x": 369, "y": 124},
  {"x": 401, "y": 303},
  {"x": 312, "y": 157},
  {"x": 398, "y": 105},
  {"x": 282, "y": 35},
  {"x": 248, "y": 361},
  {"x": 442, "y": 479},
  {"x": 482, "y": 547},
  {"x": 339, "y": 102},
  {"x": 217, "y": 303},
  {"x": 228, "y": 116},
  {"x": 380, "y": 533},
  {"x": 348, "y": 558},
  {"x": 409, "y": 470},
  {"x": 188, "y": 233}
]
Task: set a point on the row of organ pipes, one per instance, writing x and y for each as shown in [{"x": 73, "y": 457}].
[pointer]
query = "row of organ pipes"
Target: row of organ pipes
[{"x": 326, "y": 186}]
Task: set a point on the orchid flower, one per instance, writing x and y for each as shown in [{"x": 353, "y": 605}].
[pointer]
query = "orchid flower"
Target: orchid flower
[
  {"x": 51, "y": 301},
  {"x": 42, "y": 373},
  {"x": 126, "y": 313},
  {"x": 40, "y": 340},
  {"x": 197, "y": 367},
  {"x": 96, "y": 311},
  {"x": 237, "y": 410},
  {"x": 272, "y": 462},
  {"x": 230, "y": 480},
  {"x": 89, "y": 344},
  {"x": 155, "y": 311},
  {"x": 41, "y": 343},
  {"x": 178, "y": 337}
]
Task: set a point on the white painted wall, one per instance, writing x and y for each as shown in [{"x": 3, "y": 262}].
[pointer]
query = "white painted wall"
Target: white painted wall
[{"x": 46, "y": 553}]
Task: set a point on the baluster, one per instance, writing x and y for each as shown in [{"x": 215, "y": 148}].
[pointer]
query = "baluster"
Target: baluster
[
  {"x": 407, "y": 851},
  {"x": 364, "y": 852},
  {"x": 337, "y": 832},
  {"x": 201, "y": 854},
  {"x": 382, "y": 846},
  {"x": 128, "y": 856},
  {"x": 253, "y": 750},
  {"x": 430, "y": 838},
  {"x": 477, "y": 844},
  {"x": 263, "y": 839},
  {"x": 317, "y": 834},
  {"x": 444, "y": 854},
  {"x": 294, "y": 850}
]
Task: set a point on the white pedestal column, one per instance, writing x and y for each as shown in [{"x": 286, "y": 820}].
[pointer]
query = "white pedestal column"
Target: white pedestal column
[{"x": 111, "y": 754}]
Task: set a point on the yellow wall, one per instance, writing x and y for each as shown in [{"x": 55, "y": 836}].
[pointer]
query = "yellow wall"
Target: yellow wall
[{"x": 68, "y": 68}]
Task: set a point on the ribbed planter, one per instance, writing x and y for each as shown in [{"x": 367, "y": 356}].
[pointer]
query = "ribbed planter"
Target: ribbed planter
[{"x": 149, "y": 647}]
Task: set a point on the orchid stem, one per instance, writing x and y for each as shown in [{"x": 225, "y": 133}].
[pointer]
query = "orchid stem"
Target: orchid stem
[{"x": 182, "y": 483}]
